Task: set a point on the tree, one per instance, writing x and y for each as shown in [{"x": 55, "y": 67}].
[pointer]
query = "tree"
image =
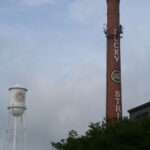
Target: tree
[{"x": 123, "y": 134}]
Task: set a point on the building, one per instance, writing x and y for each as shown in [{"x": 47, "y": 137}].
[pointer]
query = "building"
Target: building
[{"x": 140, "y": 111}]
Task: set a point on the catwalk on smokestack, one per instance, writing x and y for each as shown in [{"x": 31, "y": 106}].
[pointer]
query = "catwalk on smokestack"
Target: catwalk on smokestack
[{"x": 113, "y": 34}]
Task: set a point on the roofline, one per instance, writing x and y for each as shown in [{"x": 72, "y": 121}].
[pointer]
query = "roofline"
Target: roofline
[{"x": 139, "y": 107}]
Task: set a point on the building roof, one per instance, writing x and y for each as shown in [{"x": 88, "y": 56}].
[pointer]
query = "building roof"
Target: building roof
[{"x": 139, "y": 107}]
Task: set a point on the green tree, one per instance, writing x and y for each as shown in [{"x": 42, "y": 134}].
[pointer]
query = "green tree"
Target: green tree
[{"x": 123, "y": 134}]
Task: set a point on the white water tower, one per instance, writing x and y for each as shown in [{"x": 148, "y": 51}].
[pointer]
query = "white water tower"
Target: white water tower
[{"x": 16, "y": 131}]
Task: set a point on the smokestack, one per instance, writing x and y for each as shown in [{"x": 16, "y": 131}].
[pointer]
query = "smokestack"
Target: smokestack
[{"x": 113, "y": 34}]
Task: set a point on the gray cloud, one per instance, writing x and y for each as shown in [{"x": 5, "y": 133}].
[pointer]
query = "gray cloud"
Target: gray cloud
[
  {"x": 33, "y": 3},
  {"x": 87, "y": 11},
  {"x": 64, "y": 69},
  {"x": 63, "y": 89}
]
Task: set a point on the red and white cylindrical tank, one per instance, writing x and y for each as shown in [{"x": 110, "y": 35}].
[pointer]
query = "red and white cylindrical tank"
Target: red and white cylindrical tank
[{"x": 17, "y": 100}]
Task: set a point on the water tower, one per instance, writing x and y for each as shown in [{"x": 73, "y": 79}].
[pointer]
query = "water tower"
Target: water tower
[{"x": 16, "y": 131}]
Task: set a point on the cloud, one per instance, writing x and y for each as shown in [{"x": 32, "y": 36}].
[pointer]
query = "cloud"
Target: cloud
[
  {"x": 62, "y": 104},
  {"x": 33, "y": 3},
  {"x": 64, "y": 83},
  {"x": 87, "y": 11},
  {"x": 64, "y": 68},
  {"x": 70, "y": 100}
]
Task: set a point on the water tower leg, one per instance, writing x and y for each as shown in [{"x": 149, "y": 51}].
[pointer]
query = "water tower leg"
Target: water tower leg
[
  {"x": 21, "y": 134},
  {"x": 15, "y": 134},
  {"x": 8, "y": 132},
  {"x": 25, "y": 137}
]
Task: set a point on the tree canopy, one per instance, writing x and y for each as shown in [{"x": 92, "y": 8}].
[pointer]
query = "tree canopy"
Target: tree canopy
[{"x": 123, "y": 134}]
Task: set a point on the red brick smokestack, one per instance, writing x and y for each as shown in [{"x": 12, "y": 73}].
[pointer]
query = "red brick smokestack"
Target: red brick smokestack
[{"x": 113, "y": 34}]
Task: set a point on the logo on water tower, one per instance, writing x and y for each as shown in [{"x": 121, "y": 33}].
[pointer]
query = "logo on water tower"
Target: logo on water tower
[{"x": 20, "y": 97}]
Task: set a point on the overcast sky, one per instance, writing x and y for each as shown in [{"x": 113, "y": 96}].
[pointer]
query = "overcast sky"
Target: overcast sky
[{"x": 57, "y": 50}]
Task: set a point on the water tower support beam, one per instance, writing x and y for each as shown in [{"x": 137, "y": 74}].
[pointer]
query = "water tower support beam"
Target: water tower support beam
[
  {"x": 8, "y": 131},
  {"x": 15, "y": 134},
  {"x": 25, "y": 137}
]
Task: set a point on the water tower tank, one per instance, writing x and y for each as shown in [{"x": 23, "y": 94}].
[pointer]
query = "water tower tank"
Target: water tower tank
[{"x": 17, "y": 100}]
